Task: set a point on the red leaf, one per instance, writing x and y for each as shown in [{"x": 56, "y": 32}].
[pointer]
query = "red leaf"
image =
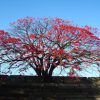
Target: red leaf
[
  {"x": 95, "y": 37},
  {"x": 2, "y": 32},
  {"x": 41, "y": 43},
  {"x": 76, "y": 44},
  {"x": 12, "y": 40},
  {"x": 32, "y": 36}
]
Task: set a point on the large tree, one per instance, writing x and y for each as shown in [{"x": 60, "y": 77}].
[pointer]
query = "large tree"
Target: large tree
[{"x": 47, "y": 43}]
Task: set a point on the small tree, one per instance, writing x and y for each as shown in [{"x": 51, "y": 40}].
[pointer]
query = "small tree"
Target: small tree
[{"x": 44, "y": 44}]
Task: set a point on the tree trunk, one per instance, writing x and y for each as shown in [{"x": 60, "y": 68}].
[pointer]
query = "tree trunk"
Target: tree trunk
[
  {"x": 46, "y": 77},
  {"x": 45, "y": 74}
]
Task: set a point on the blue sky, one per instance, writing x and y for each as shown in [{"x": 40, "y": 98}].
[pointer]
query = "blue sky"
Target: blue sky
[{"x": 82, "y": 12}]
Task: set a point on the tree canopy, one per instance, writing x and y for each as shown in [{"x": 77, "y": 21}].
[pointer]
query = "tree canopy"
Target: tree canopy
[{"x": 44, "y": 44}]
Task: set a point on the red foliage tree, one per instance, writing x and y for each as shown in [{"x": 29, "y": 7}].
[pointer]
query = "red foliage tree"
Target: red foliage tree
[{"x": 44, "y": 44}]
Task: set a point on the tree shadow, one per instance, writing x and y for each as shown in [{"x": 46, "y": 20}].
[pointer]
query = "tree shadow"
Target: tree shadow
[{"x": 60, "y": 88}]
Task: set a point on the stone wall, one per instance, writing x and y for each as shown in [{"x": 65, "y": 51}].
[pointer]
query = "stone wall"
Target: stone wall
[{"x": 61, "y": 88}]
